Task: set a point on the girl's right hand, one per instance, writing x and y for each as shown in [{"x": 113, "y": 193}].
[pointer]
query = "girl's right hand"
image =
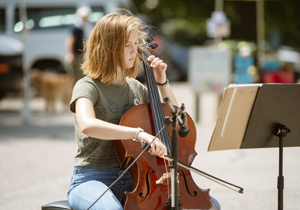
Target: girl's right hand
[{"x": 157, "y": 147}]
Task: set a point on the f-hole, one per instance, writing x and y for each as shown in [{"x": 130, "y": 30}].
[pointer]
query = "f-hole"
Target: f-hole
[
  {"x": 148, "y": 184},
  {"x": 186, "y": 185}
]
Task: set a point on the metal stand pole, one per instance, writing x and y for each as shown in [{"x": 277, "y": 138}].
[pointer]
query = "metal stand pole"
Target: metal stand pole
[
  {"x": 174, "y": 168},
  {"x": 280, "y": 184},
  {"x": 281, "y": 132},
  {"x": 197, "y": 106},
  {"x": 175, "y": 201}
]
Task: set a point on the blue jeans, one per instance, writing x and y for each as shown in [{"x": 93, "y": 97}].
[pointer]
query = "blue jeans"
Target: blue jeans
[
  {"x": 216, "y": 202},
  {"x": 88, "y": 184}
]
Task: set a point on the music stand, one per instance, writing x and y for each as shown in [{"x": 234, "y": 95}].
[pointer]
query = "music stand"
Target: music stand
[{"x": 274, "y": 115}]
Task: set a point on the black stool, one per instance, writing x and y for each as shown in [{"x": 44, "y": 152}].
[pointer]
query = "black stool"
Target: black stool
[{"x": 57, "y": 205}]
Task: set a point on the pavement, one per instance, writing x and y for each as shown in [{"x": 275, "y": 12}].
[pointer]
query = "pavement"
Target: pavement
[{"x": 37, "y": 159}]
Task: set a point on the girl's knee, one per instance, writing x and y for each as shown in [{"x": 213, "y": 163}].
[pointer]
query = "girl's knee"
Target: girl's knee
[{"x": 216, "y": 202}]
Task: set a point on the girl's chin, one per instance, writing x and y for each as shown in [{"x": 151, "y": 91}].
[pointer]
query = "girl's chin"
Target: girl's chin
[{"x": 129, "y": 66}]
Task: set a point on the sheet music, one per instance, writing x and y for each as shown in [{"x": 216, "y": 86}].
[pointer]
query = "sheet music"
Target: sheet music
[
  {"x": 228, "y": 112},
  {"x": 233, "y": 117}
]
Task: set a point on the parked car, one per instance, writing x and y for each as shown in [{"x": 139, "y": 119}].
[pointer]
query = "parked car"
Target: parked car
[
  {"x": 48, "y": 25},
  {"x": 11, "y": 71}
]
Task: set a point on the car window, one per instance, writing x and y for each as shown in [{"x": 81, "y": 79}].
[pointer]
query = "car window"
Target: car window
[{"x": 52, "y": 18}]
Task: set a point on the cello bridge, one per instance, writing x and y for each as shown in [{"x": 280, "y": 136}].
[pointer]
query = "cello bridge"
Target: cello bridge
[{"x": 164, "y": 177}]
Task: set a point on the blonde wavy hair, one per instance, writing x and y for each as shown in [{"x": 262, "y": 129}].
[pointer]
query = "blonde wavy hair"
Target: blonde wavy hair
[{"x": 104, "y": 51}]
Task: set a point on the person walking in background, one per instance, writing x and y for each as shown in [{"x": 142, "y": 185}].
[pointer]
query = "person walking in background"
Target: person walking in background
[{"x": 74, "y": 43}]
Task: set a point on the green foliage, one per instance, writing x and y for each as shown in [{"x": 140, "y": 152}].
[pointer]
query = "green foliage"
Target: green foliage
[{"x": 184, "y": 21}]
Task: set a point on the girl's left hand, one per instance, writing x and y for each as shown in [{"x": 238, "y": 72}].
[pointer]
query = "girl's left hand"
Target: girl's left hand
[{"x": 159, "y": 68}]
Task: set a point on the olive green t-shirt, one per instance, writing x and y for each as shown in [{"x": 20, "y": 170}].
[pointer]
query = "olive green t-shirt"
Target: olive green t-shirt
[{"x": 110, "y": 103}]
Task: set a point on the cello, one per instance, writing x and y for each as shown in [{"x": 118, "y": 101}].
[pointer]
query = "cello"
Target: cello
[{"x": 150, "y": 174}]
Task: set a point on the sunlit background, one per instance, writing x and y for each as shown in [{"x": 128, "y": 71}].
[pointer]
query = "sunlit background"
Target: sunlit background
[{"x": 207, "y": 45}]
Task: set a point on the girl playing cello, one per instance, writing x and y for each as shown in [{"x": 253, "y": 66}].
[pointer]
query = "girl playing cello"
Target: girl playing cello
[{"x": 100, "y": 99}]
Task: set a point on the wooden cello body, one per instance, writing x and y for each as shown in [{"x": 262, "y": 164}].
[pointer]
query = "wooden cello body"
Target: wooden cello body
[{"x": 147, "y": 194}]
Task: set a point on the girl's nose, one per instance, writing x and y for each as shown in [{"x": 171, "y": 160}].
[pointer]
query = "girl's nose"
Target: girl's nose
[{"x": 134, "y": 49}]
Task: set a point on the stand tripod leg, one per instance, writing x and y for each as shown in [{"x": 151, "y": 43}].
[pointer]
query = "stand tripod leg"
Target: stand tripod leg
[{"x": 280, "y": 184}]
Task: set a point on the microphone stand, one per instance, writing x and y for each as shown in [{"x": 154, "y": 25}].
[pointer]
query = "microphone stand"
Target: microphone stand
[{"x": 175, "y": 202}]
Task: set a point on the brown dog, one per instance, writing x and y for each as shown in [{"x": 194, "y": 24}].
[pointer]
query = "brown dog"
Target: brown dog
[{"x": 52, "y": 86}]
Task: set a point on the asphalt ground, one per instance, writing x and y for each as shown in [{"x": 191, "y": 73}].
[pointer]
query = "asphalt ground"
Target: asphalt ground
[{"x": 36, "y": 159}]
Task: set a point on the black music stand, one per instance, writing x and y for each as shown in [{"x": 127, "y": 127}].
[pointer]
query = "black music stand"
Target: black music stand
[{"x": 274, "y": 122}]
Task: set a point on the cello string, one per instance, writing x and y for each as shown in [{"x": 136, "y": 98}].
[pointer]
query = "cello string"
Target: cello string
[
  {"x": 158, "y": 116},
  {"x": 156, "y": 109}
]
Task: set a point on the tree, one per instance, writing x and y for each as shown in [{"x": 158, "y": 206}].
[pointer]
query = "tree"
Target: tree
[{"x": 184, "y": 21}]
